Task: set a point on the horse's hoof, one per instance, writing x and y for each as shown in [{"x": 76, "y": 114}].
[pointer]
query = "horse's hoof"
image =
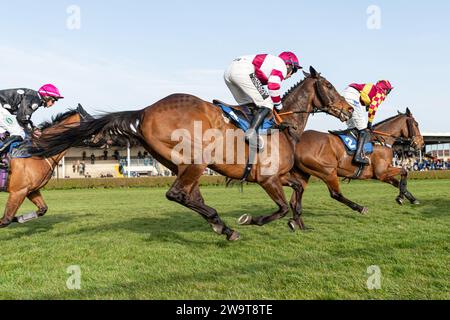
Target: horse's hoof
[
  {"x": 364, "y": 211},
  {"x": 245, "y": 220},
  {"x": 4, "y": 225},
  {"x": 399, "y": 201},
  {"x": 416, "y": 202},
  {"x": 292, "y": 225},
  {"x": 235, "y": 236}
]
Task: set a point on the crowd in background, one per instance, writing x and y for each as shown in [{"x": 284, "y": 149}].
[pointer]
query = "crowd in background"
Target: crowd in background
[{"x": 426, "y": 164}]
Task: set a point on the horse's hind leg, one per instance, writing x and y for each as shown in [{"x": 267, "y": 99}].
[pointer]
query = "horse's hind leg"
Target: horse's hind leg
[
  {"x": 38, "y": 200},
  {"x": 185, "y": 191},
  {"x": 332, "y": 182},
  {"x": 13, "y": 204},
  {"x": 274, "y": 189}
]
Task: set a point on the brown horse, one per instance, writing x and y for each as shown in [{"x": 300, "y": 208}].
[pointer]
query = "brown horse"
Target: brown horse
[
  {"x": 324, "y": 156},
  {"x": 187, "y": 135},
  {"x": 29, "y": 175}
]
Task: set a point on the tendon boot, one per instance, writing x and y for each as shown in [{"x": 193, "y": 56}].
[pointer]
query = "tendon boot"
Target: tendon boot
[
  {"x": 364, "y": 137},
  {"x": 251, "y": 136}
]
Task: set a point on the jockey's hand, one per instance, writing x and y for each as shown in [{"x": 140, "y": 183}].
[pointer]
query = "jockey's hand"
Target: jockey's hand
[
  {"x": 37, "y": 133},
  {"x": 370, "y": 126},
  {"x": 278, "y": 106}
]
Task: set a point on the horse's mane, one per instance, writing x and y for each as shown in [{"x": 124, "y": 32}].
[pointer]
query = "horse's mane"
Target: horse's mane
[
  {"x": 292, "y": 89},
  {"x": 389, "y": 119},
  {"x": 57, "y": 119}
]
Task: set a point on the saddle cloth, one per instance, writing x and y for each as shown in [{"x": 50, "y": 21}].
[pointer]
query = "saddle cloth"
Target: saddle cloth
[
  {"x": 16, "y": 150},
  {"x": 350, "y": 140}
]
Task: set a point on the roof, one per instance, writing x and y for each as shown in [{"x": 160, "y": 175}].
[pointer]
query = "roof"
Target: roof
[{"x": 436, "y": 137}]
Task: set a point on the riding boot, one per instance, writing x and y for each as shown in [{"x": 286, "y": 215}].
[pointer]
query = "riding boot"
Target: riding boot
[
  {"x": 251, "y": 136},
  {"x": 364, "y": 137},
  {"x": 10, "y": 140}
]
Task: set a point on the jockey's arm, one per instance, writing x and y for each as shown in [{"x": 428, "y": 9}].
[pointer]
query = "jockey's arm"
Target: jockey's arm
[
  {"x": 26, "y": 109},
  {"x": 373, "y": 108},
  {"x": 274, "y": 86}
]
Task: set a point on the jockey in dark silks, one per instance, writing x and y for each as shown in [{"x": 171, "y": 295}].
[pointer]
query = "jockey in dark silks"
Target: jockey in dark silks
[{"x": 17, "y": 107}]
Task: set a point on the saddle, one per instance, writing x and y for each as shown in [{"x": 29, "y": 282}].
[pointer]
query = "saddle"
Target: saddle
[
  {"x": 242, "y": 115},
  {"x": 350, "y": 140}
]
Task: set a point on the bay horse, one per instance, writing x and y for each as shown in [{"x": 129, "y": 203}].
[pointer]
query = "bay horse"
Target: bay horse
[
  {"x": 325, "y": 157},
  {"x": 29, "y": 175},
  {"x": 160, "y": 127}
]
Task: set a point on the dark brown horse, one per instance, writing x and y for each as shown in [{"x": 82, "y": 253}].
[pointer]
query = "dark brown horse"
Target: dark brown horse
[
  {"x": 324, "y": 156},
  {"x": 187, "y": 135},
  {"x": 29, "y": 175}
]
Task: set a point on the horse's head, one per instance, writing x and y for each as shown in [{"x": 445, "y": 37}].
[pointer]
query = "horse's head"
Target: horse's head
[
  {"x": 410, "y": 130},
  {"x": 326, "y": 98},
  {"x": 403, "y": 127},
  {"x": 63, "y": 121}
]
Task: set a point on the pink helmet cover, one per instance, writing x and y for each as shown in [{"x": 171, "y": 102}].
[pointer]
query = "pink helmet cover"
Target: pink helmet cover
[{"x": 49, "y": 90}]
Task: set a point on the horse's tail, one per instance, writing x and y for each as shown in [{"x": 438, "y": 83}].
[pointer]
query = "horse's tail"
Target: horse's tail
[{"x": 120, "y": 124}]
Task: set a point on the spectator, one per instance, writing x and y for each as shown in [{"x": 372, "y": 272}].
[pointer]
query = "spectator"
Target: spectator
[
  {"x": 140, "y": 155},
  {"x": 105, "y": 155},
  {"x": 92, "y": 158},
  {"x": 83, "y": 156},
  {"x": 82, "y": 168},
  {"x": 74, "y": 167},
  {"x": 116, "y": 155}
]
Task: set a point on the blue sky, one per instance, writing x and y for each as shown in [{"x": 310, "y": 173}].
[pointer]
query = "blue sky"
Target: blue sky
[{"x": 129, "y": 54}]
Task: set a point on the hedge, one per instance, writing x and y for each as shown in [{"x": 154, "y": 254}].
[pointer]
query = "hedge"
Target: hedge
[
  {"x": 149, "y": 182},
  {"x": 163, "y": 182}
]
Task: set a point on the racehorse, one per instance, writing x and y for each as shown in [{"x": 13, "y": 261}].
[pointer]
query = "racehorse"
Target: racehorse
[
  {"x": 29, "y": 175},
  {"x": 324, "y": 156},
  {"x": 159, "y": 128}
]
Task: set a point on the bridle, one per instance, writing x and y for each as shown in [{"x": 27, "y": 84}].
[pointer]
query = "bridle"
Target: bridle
[
  {"x": 327, "y": 105},
  {"x": 409, "y": 141}
]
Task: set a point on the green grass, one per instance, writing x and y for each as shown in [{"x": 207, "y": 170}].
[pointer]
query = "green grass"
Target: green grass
[{"x": 134, "y": 244}]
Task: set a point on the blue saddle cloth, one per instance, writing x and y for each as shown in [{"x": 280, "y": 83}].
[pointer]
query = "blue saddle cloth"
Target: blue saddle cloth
[
  {"x": 351, "y": 144},
  {"x": 19, "y": 150},
  {"x": 243, "y": 123}
]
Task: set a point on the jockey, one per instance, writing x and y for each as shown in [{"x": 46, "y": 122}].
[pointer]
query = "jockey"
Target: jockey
[
  {"x": 365, "y": 98},
  {"x": 16, "y": 108},
  {"x": 246, "y": 76}
]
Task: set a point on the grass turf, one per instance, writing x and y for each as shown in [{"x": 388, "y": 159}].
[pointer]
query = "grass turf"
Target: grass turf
[{"x": 134, "y": 244}]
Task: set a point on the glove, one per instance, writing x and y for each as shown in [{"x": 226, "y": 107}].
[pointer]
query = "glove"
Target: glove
[
  {"x": 278, "y": 106},
  {"x": 370, "y": 126}
]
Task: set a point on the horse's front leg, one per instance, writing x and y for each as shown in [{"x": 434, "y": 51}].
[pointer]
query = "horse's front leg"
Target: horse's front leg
[
  {"x": 274, "y": 188},
  {"x": 299, "y": 184},
  {"x": 389, "y": 177},
  {"x": 39, "y": 202},
  {"x": 13, "y": 204},
  {"x": 404, "y": 188}
]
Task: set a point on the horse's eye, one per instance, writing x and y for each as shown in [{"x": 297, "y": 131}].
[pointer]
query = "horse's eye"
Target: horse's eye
[{"x": 329, "y": 86}]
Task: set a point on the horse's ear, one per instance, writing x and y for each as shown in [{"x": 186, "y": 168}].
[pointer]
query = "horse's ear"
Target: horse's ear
[
  {"x": 408, "y": 112},
  {"x": 398, "y": 111},
  {"x": 307, "y": 75},
  {"x": 314, "y": 72},
  {"x": 83, "y": 112}
]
